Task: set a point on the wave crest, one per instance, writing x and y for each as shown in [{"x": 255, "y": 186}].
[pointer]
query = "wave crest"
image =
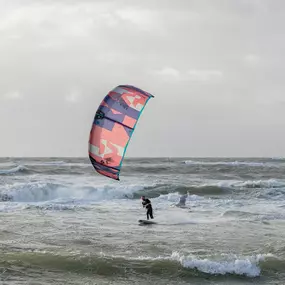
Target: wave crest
[
  {"x": 229, "y": 163},
  {"x": 173, "y": 265},
  {"x": 14, "y": 170}
]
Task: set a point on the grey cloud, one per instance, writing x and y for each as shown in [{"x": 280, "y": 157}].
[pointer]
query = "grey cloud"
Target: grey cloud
[{"x": 215, "y": 67}]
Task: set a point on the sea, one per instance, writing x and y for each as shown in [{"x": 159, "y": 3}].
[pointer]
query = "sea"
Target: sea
[{"x": 63, "y": 223}]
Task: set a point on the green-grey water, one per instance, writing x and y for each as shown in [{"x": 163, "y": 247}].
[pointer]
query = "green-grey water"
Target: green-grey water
[{"x": 62, "y": 223}]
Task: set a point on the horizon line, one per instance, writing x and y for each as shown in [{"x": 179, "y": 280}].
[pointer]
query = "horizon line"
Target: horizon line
[{"x": 135, "y": 157}]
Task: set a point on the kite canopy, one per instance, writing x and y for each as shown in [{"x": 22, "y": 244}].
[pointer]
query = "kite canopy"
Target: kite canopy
[{"x": 113, "y": 126}]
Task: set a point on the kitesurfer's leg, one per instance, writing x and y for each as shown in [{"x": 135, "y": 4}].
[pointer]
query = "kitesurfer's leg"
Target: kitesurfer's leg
[{"x": 150, "y": 213}]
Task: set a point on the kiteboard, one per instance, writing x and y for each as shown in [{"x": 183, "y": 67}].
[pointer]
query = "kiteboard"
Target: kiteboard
[{"x": 146, "y": 222}]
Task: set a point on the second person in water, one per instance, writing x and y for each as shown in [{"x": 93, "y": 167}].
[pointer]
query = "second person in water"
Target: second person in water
[{"x": 182, "y": 200}]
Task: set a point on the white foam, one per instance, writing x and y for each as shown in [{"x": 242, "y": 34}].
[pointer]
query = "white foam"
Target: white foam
[
  {"x": 278, "y": 158},
  {"x": 56, "y": 207},
  {"x": 242, "y": 266},
  {"x": 56, "y": 162},
  {"x": 174, "y": 197},
  {"x": 266, "y": 183},
  {"x": 229, "y": 163}
]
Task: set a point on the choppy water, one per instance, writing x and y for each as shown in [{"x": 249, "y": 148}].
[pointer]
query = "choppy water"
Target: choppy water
[{"x": 62, "y": 223}]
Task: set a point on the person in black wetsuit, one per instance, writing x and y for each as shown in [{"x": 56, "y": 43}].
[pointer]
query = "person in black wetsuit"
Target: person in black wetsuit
[{"x": 147, "y": 204}]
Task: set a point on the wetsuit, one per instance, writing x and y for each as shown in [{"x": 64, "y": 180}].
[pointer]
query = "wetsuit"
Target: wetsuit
[
  {"x": 182, "y": 200},
  {"x": 147, "y": 204}
]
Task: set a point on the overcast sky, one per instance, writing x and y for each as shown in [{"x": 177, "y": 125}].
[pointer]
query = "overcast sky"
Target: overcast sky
[{"x": 216, "y": 69}]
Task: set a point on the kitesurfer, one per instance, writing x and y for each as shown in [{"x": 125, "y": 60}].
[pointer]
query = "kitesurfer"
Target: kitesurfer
[{"x": 147, "y": 204}]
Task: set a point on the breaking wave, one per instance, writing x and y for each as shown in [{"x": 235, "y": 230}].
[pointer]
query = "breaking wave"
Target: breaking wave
[
  {"x": 37, "y": 191},
  {"x": 231, "y": 163},
  {"x": 266, "y": 183},
  {"x": 48, "y": 191},
  {"x": 176, "y": 264},
  {"x": 14, "y": 170}
]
